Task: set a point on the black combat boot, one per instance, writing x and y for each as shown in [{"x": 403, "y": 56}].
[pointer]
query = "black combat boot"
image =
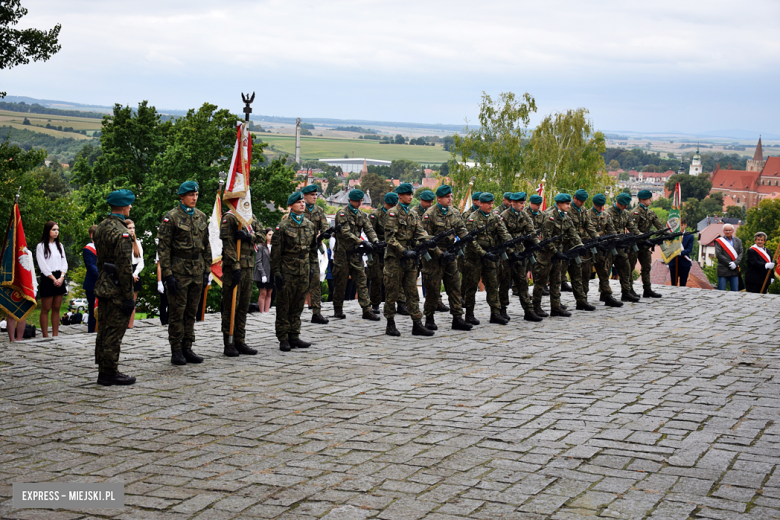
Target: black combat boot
[
  {"x": 459, "y": 324},
  {"x": 560, "y": 312},
  {"x": 628, "y": 297},
  {"x": 649, "y": 293},
  {"x": 603, "y": 297},
  {"x": 546, "y": 290},
  {"x": 390, "y": 329},
  {"x": 375, "y": 308},
  {"x": 402, "y": 310},
  {"x": 243, "y": 349},
  {"x": 368, "y": 315},
  {"x": 565, "y": 287},
  {"x": 441, "y": 308},
  {"x": 191, "y": 356},
  {"x": 284, "y": 346},
  {"x": 610, "y": 300},
  {"x": 470, "y": 319},
  {"x": 564, "y": 307},
  {"x": 338, "y": 312},
  {"x": 230, "y": 349},
  {"x": 419, "y": 330},
  {"x": 319, "y": 319},
  {"x": 539, "y": 312},
  {"x": 585, "y": 306},
  {"x": 430, "y": 323},
  {"x": 504, "y": 313},
  {"x": 117, "y": 378},
  {"x": 299, "y": 343},
  {"x": 497, "y": 318},
  {"x": 634, "y": 294},
  {"x": 531, "y": 316},
  {"x": 177, "y": 358}
]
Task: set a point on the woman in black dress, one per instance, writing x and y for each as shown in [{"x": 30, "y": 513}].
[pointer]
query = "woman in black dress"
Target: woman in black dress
[{"x": 759, "y": 263}]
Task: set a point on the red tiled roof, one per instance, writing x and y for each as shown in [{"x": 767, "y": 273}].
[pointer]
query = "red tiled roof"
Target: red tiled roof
[
  {"x": 713, "y": 231},
  {"x": 735, "y": 180},
  {"x": 659, "y": 274},
  {"x": 758, "y": 156},
  {"x": 771, "y": 168},
  {"x": 768, "y": 189},
  {"x": 728, "y": 201}
]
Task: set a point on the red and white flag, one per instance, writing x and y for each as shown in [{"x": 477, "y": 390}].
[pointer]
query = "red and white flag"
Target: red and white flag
[
  {"x": 216, "y": 243},
  {"x": 540, "y": 192},
  {"x": 18, "y": 283},
  {"x": 237, "y": 195}
]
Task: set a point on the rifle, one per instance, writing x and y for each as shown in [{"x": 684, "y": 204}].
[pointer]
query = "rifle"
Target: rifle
[
  {"x": 629, "y": 241},
  {"x": 422, "y": 249},
  {"x": 501, "y": 248},
  {"x": 362, "y": 249},
  {"x": 457, "y": 247},
  {"x": 530, "y": 250},
  {"x": 670, "y": 236},
  {"x": 593, "y": 245}
]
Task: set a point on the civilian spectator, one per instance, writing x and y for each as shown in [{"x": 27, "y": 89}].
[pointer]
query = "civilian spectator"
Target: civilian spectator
[
  {"x": 262, "y": 274},
  {"x": 76, "y": 318},
  {"x": 12, "y": 326},
  {"x": 759, "y": 265},
  {"x": 65, "y": 319},
  {"x": 138, "y": 265},
  {"x": 90, "y": 262},
  {"x": 728, "y": 251},
  {"x": 680, "y": 266},
  {"x": 53, "y": 266}
]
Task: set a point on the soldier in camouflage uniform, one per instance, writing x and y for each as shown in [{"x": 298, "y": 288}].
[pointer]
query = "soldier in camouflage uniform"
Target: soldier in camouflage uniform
[
  {"x": 114, "y": 245},
  {"x": 402, "y": 230},
  {"x": 556, "y": 223},
  {"x": 376, "y": 267},
  {"x": 353, "y": 222},
  {"x": 580, "y": 274},
  {"x": 479, "y": 264},
  {"x": 534, "y": 210},
  {"x": 317, "y": 217},
  {"x": 185, "y": 262},
  {"x": 603, "y": 224},
  {"x": 621, "y": 220},
  {"x": 292, "y": 245},
  {"x": 237, "y": 273},
  {"x": 504, "y": 271},
  {"x": 426, "y": 202},
  {"x": 645, "y": 219},
  {"x": 518, "y": 223},
  {"x": 442, "y": 265}
]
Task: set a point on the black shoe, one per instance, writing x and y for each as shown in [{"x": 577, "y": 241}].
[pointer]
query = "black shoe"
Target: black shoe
[
  {"x": 471, "y": 320},
  {"x": 243, "y": 349},
  {"x": 585, "y": 306},
  {"x": 504, "y": 314},
  {"x": 117, "y": 378},
  {"x": 442, "y": 308},
  {"x": 390, "y": 329},
  {"x": 539, "y": 312},
  {"x": 603, "y": 297},
  {"x": 531, "y": 316},
  {"x": 459, "y": 324},
  {"x": 634, "y": 294},
  {"x": 319, "y": 319},
  {"x": 368, "y": 315},
  {"x": 565, "y": 287},
  {"x": 628, "y": 297},
  {"x": 610, "y": 301},
  {"x": 338, "y": 313},
  {"x": 649, "y": 293},
  {"x": 564, "y": 307},
  {"x": 402, "y": 310},
  {"x": 496, "y": 318},
  {"x": 298, "y": 343},
  {"x": 560, "y": 312},
  {"x": 419, "y": 330},
  {"x": 284, "y": 346},
  {"x": 430, "y": 323},
  {"x": 546, "y": 290},
  {"x": 375, "y": 309},
  {"x": 191, "y": 356},
  {"x": 177, "y": 358},
  {"x": 230, "y": 350}
]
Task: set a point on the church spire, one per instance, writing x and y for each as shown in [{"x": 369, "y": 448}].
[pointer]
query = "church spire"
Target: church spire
[{"x": 759, "y": 155}]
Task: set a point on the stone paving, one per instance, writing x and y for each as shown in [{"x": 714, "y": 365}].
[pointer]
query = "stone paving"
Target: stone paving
[{"x": 663, "y": 409}]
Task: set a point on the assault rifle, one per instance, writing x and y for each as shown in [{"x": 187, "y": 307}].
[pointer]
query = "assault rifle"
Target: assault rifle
[
  {"x": 629, "y": 241},
  {"x": 364, "y": 249},
  {"x": 422, "y": 249},
  {"x": 670, "y": 236},
  {"x": 501, "y": 248},
  {"x": 457, "y": 247},
  {"x": 593, "y": 245},
  {"x": 328, "y": 233},
  {"x": 530, "y": 250}
]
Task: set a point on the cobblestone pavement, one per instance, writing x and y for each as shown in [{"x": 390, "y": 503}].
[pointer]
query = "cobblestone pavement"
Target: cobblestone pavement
[{"x": 664, "y": 409}]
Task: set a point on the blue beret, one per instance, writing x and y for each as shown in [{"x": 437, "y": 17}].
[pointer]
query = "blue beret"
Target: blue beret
[
  {"x": 187, "y": 187},
  {"x": 120, "y": 198},
  {"x": 599, "y": 199},
  {"x": 443, "y": 190},
  {"x": 295, "y": 197},
  {"x": 427, "y": 196},
  {"x": 391, "y": 198},
  {"x": 624, "y": 198},
  {"x": 356, "y": 195},
  {"x": 486, "y": 197},
  {"x": 476, "y": 195},
  {"x": 521, "y": 195},
  {"x": 404, "y": 188},
  {"x": 507, "y": 195},
  {"x": 581, "y": 195},
  {"x": 536, "y": 199},
  {"x": 308, "y": 189},
  {"x": 644, "y": 194},
  {"x": 563, "y": 197}
]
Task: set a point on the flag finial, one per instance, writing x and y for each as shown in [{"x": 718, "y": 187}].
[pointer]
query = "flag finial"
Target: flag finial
[
  {"x": 18, "y": 194},
  {"x": 247, "y": 101}
]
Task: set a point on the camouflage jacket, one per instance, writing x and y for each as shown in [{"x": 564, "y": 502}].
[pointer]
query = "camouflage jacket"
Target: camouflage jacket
[
  {"x": 402, "y": 229},
  {"x": 622, "y": 220},
  {"x": 434, "y": 221},
  {"x": 559, "y": 223},
  {"x": 227, "y": 232},
  {"x": 292, "y": 247},
  {"x": 645, "y": 219},
  {"x": 419, "y": 211},
  {"x": 114, "y": 246},
  {"x": 378, "y": 220},
  {"x": 352, "y": 223},
  {"x": 602, "y": 222},
  {"x": 317, "y": 217},
  {"x": 582, "y": 222},
  {"x": 500, "y": 209},
  {"x": 495, "y": 233},
  {"x": 518, "y": 223},
  {"x": 184, "y": 247},
  {"x": 536, "y": 218}
]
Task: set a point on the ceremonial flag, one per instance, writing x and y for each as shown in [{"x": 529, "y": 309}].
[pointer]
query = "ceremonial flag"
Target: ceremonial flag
[
  {"x": 466, "y": 202},
  {"x": 237, "y": 195},
  {"x": 540, "y": 192},
  {"x": 18, "y": 284},
  {"x": 671, "y": 248},
  {"x": 216, "y": 243}
]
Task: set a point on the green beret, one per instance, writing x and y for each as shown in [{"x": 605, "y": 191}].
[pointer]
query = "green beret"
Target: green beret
[
  {"x": 521, "y": 195},
  {"x": 187, "y": 187},
  {"x": 563, "y": 197},
  {"x": 581, "y": 195},
  {"x": 536, "y": 199},
  {"x": 476, "y": 195},
  {"x": 486, "y": 197},
  {"x": 356, "y": 195},
  {"x": 507, "y": 194},
  {"x": 443, "y": 190},
  {"x": 644, "y": 194},
  {"x": 404, "y": 188},
  {"x": 624, "y": 198},
  {"x": 391, "y": 198},
  {"x": 308, "y": 189},
  {"x": 427, "y": 196},
  {"x": 514, "y": 197},
  {"x": 599, "y": 199},
  {"x": 120, "y": 198},
  {"x": 295, "y": 197}
]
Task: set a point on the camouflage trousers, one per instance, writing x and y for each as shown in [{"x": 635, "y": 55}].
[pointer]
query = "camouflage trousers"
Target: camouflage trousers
[
  {"x": 111, "y": 329},
  {"x": 343, "y": 268},
  {"x": 376, "y": 283},
  {"x": 433, "y": 276},
  {"x": 290, "y": 300},
  {"x": 520, "y": 279},
  {"x": 548, "y": 271},
  {"x": 576, "y": 277},
  {"x": 182, "y": 309},
  {"x": 315, "y": 291},
  {"x": 243, "y": 297},
  {"x": 474, "y": 270},
  {"x": 603, "y": 271},
  {"x": 645, "y": 257},
  {"x": 623, "y": 270},
  {"x": 505, "y": 277},
  {"x": 401, "y": 278}
]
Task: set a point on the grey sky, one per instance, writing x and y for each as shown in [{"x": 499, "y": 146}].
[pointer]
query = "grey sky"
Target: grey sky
[{"x": 692, "y": 66}]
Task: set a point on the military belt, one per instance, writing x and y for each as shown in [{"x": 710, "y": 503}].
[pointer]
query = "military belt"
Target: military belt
[
  {"x": 300, "y": 256},
  {"x": 186, "y": 256}
]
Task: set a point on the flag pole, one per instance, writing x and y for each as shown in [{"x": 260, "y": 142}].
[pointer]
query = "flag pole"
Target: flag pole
[
  {"x": 766, "y": 278},
  {"x": 222, "y": 176}
]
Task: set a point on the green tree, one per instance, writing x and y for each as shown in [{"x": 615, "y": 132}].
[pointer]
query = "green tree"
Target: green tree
[
  {"x": 623, "y": 176},
  {"x": 662, "y": 203},
  {"x": 735, "y": 212},
  {"x": 406, "y": 171},
  {"x": 399, "y": 139},
  {"x": 376, "y": 187},
  {"x": 614, "y": 165},
  {"x": 691, "y": 186}
]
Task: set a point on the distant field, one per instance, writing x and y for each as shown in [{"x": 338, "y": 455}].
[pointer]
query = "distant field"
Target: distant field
[
  {"x": 38, "y": 123},
  {"x": 313, "y": 148}
]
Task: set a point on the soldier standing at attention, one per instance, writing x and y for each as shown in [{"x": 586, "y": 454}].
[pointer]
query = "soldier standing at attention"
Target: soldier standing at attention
[
  {"x": 518, "y": 223},
  {"x": 602, "y": 261},
  {"x": 185, "y": 261},
  {"x": 426, "y": 202},
  {"x": 114, "y": 287},
  {"x": 442, "y": 266},
  {"x": 557, "y": 222},
  {"x": 402, "y": 230},
  {"x": 376, "y": 267},
  {"x": 474, "y": 204},
  {"x": 353, "y": 222},
  {"x": 536, "y": 214},
  {"x": 237, "y": 273},
  {"x": 292, "y": 245},
  {"x": 504, "y": 271},
  {"x": 317, "y": 217},
  {"x": 580, "y": 274},
  {"x": 622, "y": 221},
  {"x": 645, "y": 219},
  {"x": 479, "y": 263}
]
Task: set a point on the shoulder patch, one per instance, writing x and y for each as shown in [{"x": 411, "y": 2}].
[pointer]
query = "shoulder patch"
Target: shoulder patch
[
  {"x": 471, "y": 220},
  {"x": 391, "y": 214},
  {"x": 371, "y": 216},
  {"x": 224, "y": 219},
  {"x": 636, "y": 213},
  {"x": 341, "y": 214},
  {"x": 277, "y": 228},
  {"x": 425, "y": 216},
  {"x": 166, "y": 219},
  {"x": 552, "y": 218},
  {"x": 125, "y": 235}
]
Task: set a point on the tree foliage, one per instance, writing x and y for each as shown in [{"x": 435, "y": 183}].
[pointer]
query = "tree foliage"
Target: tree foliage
[
  {"x": 406, "y": 171},
  {"x": 376, "y": 187},
  {"x": 691, "y": 186}
]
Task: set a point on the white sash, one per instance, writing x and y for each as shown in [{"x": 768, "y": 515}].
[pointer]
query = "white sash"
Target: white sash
[
  {"x": 727, "y": 247},
  {"x": 761, "y": 252}
]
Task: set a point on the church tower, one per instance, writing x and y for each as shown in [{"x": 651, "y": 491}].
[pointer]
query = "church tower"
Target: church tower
[
  {"x": 696, "y": 163},
  {"x": 756, "y": 164}
]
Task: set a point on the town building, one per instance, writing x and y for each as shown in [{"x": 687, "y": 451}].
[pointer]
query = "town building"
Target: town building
[
  {"x": 760, "y": 180},
  {"x": 354, "y": 165}
]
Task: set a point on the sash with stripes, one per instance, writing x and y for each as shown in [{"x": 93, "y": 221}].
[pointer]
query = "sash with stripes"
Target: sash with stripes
[
  {"x": 727, "y": 247},
  {"x": 762, "y": 253}
]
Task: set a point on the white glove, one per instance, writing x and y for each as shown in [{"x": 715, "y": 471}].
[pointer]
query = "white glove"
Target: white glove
[
  {"x": 160, "y": 287},
  {"x": 211, "y": 279},
  {"x": 769, "y": 265},
  {"x": 732, "y": 265},
  {"x": 265, "y": 279}
]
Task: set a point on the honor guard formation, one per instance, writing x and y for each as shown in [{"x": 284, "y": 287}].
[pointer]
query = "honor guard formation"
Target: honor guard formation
[{"x": 497, "y": 246}]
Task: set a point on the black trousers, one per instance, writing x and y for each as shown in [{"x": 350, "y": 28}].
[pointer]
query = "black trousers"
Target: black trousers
[
  {"x": 164, "y": 309},
  {"x": 91, "y": 305},
  {"x": 681, "y": 271}
]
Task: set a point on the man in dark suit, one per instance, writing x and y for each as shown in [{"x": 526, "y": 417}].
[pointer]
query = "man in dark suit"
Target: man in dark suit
[
  {"x": 680, "y": 265},
  {"x": 728, "y": 251}
]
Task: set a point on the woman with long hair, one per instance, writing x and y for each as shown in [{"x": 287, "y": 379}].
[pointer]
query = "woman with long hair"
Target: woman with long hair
[
  {"x": 262, "y": 275},
  {"x": 138, "y": 265},
  {"x": 53, "y": 266}
]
